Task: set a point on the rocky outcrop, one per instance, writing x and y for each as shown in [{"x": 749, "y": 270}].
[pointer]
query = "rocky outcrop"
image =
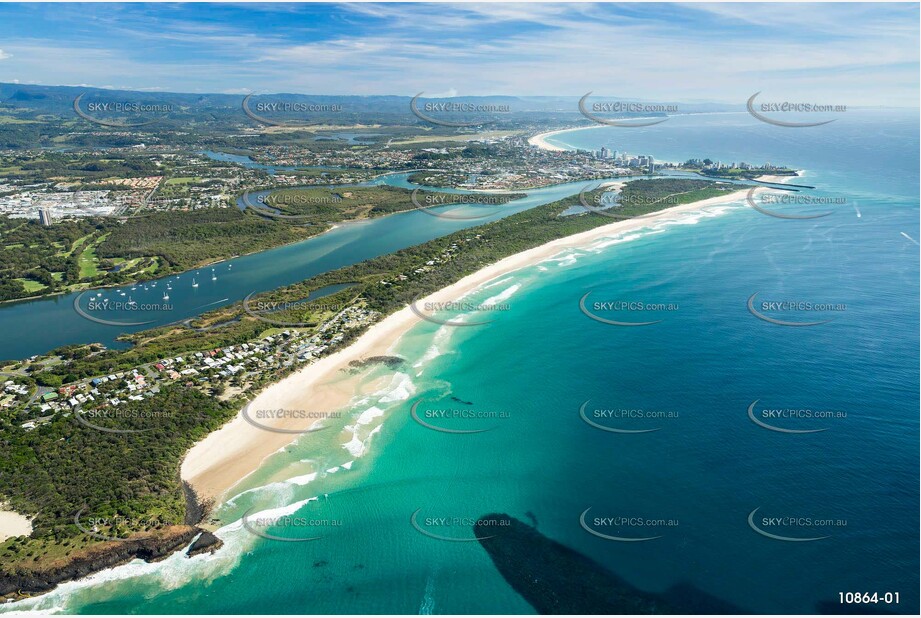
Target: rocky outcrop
[
  {"x": 22, "y": 583},
  {"x": 206, "y": 543},
  {"x": 19, "y": 582},
  {"x": 391, "y": 362}
]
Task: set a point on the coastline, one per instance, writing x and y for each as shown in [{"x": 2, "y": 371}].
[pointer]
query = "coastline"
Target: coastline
[
  {"x": 778, "y": 180},
  {"x": 225, "y": 457},
  {"x": 540, "y": 140}
]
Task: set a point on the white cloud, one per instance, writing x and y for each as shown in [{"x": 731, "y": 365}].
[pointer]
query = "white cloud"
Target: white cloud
[
  {"x": 447, "y": 94},
  {"x": 850, "y": 54},
  {"x": 4, "y": 55}
]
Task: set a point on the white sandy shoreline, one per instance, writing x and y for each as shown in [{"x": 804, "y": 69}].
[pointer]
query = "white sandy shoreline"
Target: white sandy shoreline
[
  {"x": 779, "y": 179},
  {"x": 540, "y": 140},
  {"x": 13, "y": 524},
  {"x": 223, "y": 458}
]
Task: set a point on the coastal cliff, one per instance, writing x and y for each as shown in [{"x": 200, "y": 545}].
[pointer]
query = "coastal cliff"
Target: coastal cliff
[{"x": 24, "y": 583}]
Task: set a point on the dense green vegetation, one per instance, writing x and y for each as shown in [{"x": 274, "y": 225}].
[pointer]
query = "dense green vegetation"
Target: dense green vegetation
[
  {"x": 62, "y": 467},
  {"x": 640, "y": 197},
  {"x": 184, "y": 240},
  {"x": 88, "y": 167},
  {"x": 477, "y": 247},
  {"x": 745, "y": 174},
  {"x": 33, "y": 253},
  {"x": 319, "y": 205},
  {"x": 323, "y": 204},
  {"x": 37, "y": 260}
]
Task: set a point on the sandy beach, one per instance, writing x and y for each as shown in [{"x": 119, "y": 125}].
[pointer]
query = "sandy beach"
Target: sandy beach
[
  {"x": 14, "y": 524},
  {"x": 540, "y": 140},
  {"x": 776, "y": 179},
  {"x": 225, "y": 457}
]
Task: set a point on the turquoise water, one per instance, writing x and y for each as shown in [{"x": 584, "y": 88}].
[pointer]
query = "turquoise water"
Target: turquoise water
[{"x": 704, "y": 470}]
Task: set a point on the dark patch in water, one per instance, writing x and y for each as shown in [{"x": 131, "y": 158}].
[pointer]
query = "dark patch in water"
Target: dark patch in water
[
  {"x": 391, "y": 362},
  {"x": 555, "y": 579}
]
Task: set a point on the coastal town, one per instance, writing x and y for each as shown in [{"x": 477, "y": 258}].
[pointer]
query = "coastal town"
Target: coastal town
[
  {"x": 223, "y": 372},
  {"x": 204, "y": 179}
]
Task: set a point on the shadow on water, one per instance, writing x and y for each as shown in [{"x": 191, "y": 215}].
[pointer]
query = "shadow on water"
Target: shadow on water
[{"x": 555, "y": 579}]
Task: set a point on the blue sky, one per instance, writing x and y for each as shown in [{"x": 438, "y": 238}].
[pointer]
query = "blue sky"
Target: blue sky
[{"x": 854, "y": 54}]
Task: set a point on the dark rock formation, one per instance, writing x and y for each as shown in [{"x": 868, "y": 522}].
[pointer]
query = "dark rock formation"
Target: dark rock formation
[
  {"x": 390, "y": 361},
  {"x": 20, "y": 583},
  {"x": 103, "y": 556},
  {"x": 207, "y": 542}
]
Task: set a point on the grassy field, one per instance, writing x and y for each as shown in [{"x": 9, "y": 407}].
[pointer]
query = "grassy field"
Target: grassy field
[
  {"x": 77, "y": 244},
  {"x": 183, "y": 180},
  {"x": 31, "y": 286},
  {"x": 89, "y": 262},
  {"x": 12, "y": 120},
  {"x": 421, "y": 139}
]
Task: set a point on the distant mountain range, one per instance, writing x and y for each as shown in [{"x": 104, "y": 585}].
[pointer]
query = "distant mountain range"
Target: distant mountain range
[
  {"x": 59, "y": 100},
  {"x": 33, "y": 116}
]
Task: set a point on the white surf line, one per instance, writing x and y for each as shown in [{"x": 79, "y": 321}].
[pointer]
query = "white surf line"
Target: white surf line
[{"x": 910, "y": 238}]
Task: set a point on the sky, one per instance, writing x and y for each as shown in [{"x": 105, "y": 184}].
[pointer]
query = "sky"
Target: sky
[{"x": 851, "y": 54}]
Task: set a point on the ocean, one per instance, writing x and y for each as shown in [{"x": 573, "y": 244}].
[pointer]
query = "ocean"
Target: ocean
[{"x": 653, "y": 450}]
